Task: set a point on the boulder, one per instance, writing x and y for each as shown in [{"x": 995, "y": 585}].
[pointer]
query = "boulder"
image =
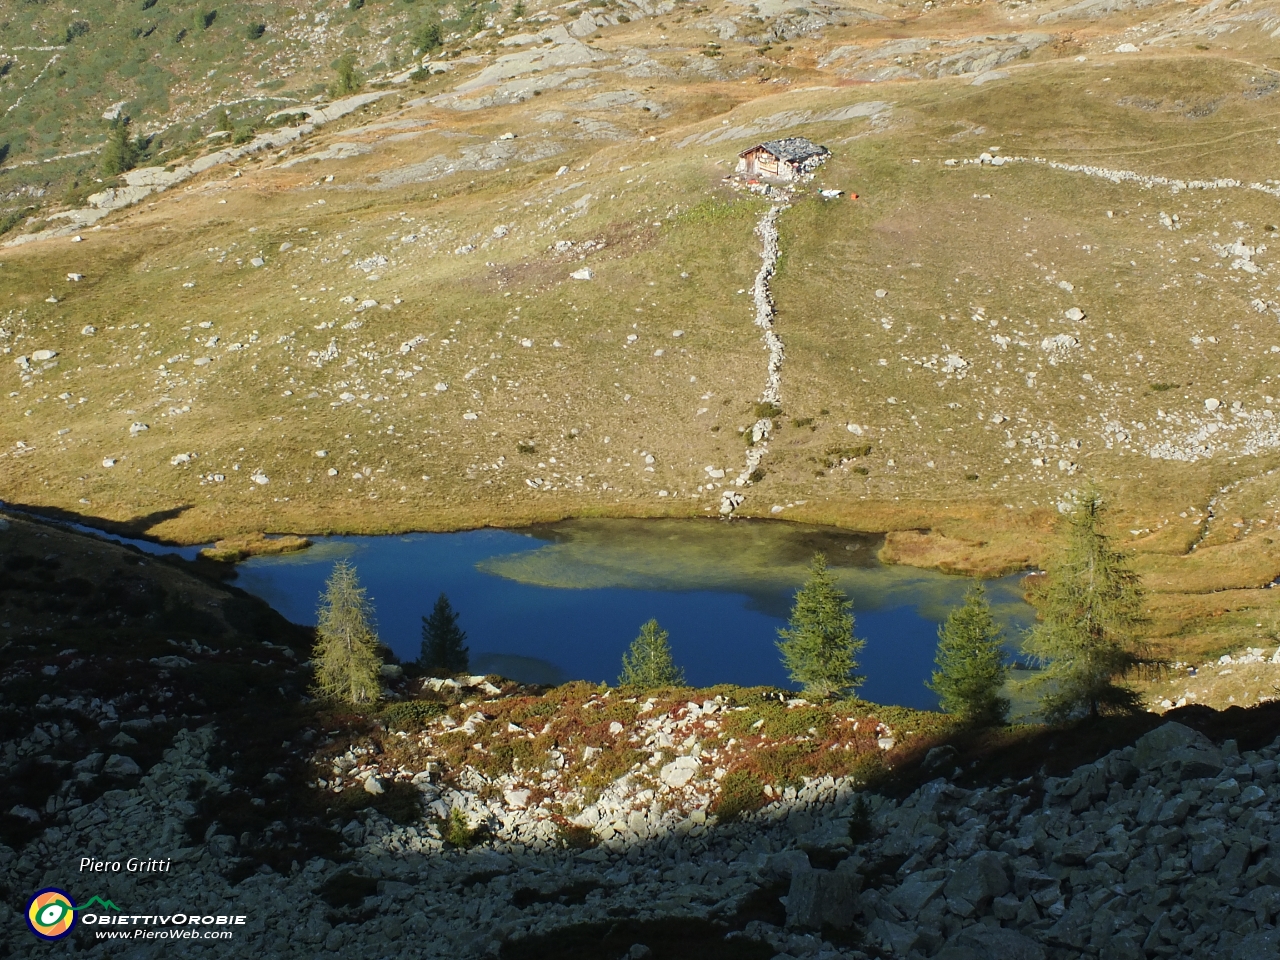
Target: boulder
[
  {"x": 1192, "y": 752},
  {"x": 118, "y": 765},
  {"x": 916, "y": 892},
  {"x": 819, "y": 898},
  {"x": 679, "y": 772},
  {"x": 982, "y": 942},
  {"x": 90, "y": 764},
  {"x": 979, "y": 880}
]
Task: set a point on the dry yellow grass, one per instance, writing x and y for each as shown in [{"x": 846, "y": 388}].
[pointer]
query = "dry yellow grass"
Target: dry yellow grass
[{"x": 550, "y": 409}]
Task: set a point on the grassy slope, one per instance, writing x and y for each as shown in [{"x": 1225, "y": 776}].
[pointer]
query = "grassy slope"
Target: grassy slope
[{"x": 918, "y": 232}]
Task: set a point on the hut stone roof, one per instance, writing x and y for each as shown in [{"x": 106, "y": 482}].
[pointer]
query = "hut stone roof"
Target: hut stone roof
[{"x": 793, "y": 149}]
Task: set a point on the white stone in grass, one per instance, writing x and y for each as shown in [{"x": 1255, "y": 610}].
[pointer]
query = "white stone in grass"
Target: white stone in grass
[
  {"x": 202, "y": 361},
  {"x": 1074, "y": 314},
  {"x": 526, "y": 342},
  {"x": 881, "y": 294},
  {"x": 441, "y": 387},
  {"x": 257, "y": 262},
  {"x": 75, "y": 277},
  {"x": 88, "y": 330},
  {"x": 322, "y": 454},
  {"x": 470, "y": 416},
  {"x": 333, "y": 472},
  {"x": 138, "y": 428},
  {"x": 1212, "y": 404},
  {"x": 179, "y": 459},
  {"x": 584, "y": 274},
  {"x": 261, "y": 479},
  {"x": 1127, "y": 48},
  {"x": 41, "y": 355},
  {"x": 108, "y": 462}
]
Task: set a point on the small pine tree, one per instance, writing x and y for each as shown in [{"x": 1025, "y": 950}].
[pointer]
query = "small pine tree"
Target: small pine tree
[
  {"x": 345, "y": 656},
  {"x": 818, "y": 647},
  {"x": 428, "y": 37},
  {"x": 120, "y": 153},
  {"x": 444, "y": 650},
  {"x": 648, "y": 664},
  {"x": 347, "y": 80},
  {"x": 224, "y": 121},
  {"x": 1090, "y": 608},
  {"x": 971, "y": 663}
]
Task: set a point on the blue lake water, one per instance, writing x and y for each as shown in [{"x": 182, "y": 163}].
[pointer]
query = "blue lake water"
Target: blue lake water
[{"x": 563, "y": 602}]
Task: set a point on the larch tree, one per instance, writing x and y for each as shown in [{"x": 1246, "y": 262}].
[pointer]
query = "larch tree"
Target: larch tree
[
  {"x": 345, "y": 658},
  {"x": 818, "y": 647},
  {"x": 648, "y": 663},
  {"x": 971, "y": 667},
  {"x": 1090, "y": 611},
  {"x": 444, "y": 651}
]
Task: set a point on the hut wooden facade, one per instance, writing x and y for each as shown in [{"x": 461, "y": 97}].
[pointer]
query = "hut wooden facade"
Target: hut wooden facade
[{"x": 787, "y": 159}]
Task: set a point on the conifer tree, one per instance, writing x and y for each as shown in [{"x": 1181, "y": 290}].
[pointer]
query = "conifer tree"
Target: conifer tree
[
  {"x": 818, "y": 647},
  {"x": 120, "y": 154},
  {"x": 428, "y": 37},
  {"x": 971, "y": 663},
  {"x": 648, "y": 663},
  {"x": 444, "y": 651},
  {"x": 345, "y": 657},
  {"x": 1090, "y": 608},
  {"x": 348, "y": 79}
]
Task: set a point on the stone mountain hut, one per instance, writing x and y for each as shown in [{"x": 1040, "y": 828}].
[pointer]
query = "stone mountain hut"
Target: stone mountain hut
[{"x": 787, "y": 159}]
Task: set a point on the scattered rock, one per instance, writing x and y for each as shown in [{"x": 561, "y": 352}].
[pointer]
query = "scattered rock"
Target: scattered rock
[{"x": 118, "y": 765}]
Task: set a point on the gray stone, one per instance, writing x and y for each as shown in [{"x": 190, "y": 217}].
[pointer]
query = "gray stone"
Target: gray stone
[
  {"x": 821, "y": 897},
  {"x": 979, "y": 880},
  {"x": 679, "y": 771},
  {"x": 90, "y": 764},
  {"x": 895, "y": 938},
  {"x": 1174, "y": 812},
  {"x": 1234, "y": 862},
  {"x": 1193, "y": 752},
  {"x": 374, "y": 786},
  {"x": 998, "y": 943},
  {"x": 1262, "y": 945},
  {"x": 118, "y": 765},
  {"x": 1207, "y": 854},
  {"x": 915, "y": 893}
]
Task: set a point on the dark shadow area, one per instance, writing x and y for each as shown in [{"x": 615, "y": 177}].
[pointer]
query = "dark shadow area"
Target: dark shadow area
[
  {"x": 135, "y": 527},
  {"x": 676, "y": 939}
]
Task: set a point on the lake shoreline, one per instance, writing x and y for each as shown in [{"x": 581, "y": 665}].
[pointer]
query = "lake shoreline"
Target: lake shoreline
[{"x": 966, "y": 540}]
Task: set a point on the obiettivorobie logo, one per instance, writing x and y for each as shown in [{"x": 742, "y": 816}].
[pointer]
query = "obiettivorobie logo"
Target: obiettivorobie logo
[{"x": 52, "y": 914}]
